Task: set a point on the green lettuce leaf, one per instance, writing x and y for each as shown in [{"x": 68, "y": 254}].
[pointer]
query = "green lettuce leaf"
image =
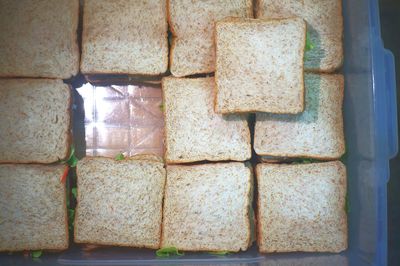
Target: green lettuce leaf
[
  {"x": 309, "y": 43},
  {"x": 36, "y": 254},
  {"x": 119, "y": 157},
  {"x": 219, "y": 253},
  {"x": 72, "y": 160},
  {"x": 73, "y": 191},
  {"x": 168, "y": 251}
]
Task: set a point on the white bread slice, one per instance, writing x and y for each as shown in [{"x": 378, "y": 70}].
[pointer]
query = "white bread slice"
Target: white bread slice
[
  {"x": 324, "y": 24},
  {"x": 260, "y": 65},
  {"x": 39, "y": 38},
  {"x": 124, "y": 37},
  {"x": 302, "y": 207},
  {"x": 33, "y": 208},
  {"x": 192, "y": 26},
  {"x": 193, "y": 131},
  {"x": 207, "y": 207},
  {"x": 315, "y": 133},
  {"x": 119, "y": 203},
  {"x": 35, "y": 120}
]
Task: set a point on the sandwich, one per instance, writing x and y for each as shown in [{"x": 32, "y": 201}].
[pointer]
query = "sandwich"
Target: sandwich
[
  {"x": 316, "y": 133},
  {"x": 33, "y": 208},
  {"x": 35, "y": 120},
  {"x": 119, "y": 202},
  {"x": 208, "y": 207},
  {"x": 193, "y": 131},
  {"x": 124, "y": 37},
  {"x": 39, "y": 38},
  {"x": 259, "y": 66},
  {"x": 325, "y": 27},
  {"x": 192, "y": 27},
  {"x": 301, "y": 207}
]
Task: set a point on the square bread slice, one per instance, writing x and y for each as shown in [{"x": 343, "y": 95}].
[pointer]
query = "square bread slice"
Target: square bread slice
[
  {"x": 33, "y": 208},
  {"x": 208, "y": 207},
  {"x": 315, "y": 133},
  {"x": 35, "y": 120},
  {"x": 124, "y": 37},
  {"x": 119, "y": 203},
  {"x": 302, "y": 207},
  {"x": 192, "y": 27},
  {"x": 260, "y": 65},
  {"x": 39, "y": 38},
  {"x": 193, "y": 131},
  {"x": 324, "y": 24}
]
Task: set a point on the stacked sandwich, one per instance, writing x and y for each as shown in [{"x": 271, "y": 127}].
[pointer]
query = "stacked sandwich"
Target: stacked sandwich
[
  {"x": 38, "y": 48},
  {"x": 225, "y": 66}
]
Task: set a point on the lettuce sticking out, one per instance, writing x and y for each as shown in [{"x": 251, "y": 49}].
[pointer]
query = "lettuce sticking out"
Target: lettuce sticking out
[
  {"x": 36, "y": 254},
  {"x": 73, "y": 191},
  {"x": 219, "y": 253},
  {"x": 168, "y": 251},
  {"x": 309, "y": 43},
  {"x": 119, "y": 157}
]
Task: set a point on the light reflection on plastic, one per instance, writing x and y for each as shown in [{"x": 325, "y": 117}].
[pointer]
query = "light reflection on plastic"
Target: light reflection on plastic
[{"x": 124, "y": 119}]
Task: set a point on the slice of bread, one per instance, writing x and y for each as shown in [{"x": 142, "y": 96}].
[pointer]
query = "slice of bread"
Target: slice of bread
[
  {"x": 33, "y": 208},
  {"x": 193, "y": 131},
  {"x": 35, "y": 120},
  {"x": 124, "y": 37},
  {"x": 192, "y": 26},
  {"x": 39, "y": 38},
  {"x": 315, "y": 133},
  {"x": 119, "y": 203},
  {"x": 302, "y": 207},
  {"x": 207, "y": 207},
  {"x": 260, "y": 65},
  {"x": 324, "y": 24}
]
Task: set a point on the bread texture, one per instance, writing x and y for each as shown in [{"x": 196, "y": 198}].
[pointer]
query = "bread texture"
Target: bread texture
[
  {"x": 302, "y": 207},
  {"x": 193, "y": 131},
  {"x": 33, "y": 208},
  {"x": 259, "y": 65},
  {"x": 325, "y": 27},
  {"x": 39, "y": 38},
  {"x": 119, "y": 203},
  {"x": 147, "y": 157},
  {"x": 124, "y": 37},
  {"x": 35, "y": 120},
  {"x": 315, "y": 133},
  {"x": 207, "y": 207},
  {"x": 192, "y": 26}
]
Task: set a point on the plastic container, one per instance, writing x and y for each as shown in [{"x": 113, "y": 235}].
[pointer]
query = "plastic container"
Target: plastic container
[{"x": 371, "y": 138}]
